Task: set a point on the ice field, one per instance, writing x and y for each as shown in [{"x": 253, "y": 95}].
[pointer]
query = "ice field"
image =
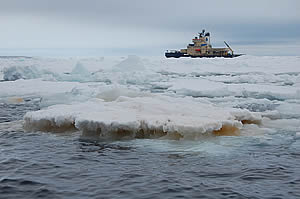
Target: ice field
[
  {"x": 240, "y": 116},
  {"x": 162, "y": 94}
]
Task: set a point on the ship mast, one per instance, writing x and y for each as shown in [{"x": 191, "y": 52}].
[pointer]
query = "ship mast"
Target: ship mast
[{"x": 228, "y": 47}]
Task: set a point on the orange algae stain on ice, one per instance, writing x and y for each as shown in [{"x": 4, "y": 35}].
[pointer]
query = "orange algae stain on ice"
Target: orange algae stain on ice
[
  {"x": 15, "y": 100},
  {"x": 227, "y": 130},
  {"x": 48, "y": 126}
]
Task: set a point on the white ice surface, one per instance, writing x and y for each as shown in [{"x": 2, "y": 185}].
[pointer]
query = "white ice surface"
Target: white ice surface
[
  {"x": 58, "y": 92},
  {"x": 22, "y": 88},
  {"x": 267, "y": 85},
  {"x": 152, "y": 115},
  {"x": 245, "y": 69},
  {"x": 201, "y": 87}
]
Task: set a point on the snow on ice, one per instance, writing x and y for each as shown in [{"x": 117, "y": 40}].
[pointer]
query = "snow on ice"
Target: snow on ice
[{"x": 142, "y": 117}]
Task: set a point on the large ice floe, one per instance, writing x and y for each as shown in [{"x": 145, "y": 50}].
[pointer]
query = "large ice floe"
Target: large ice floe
[{"x": 142, "y": 117}]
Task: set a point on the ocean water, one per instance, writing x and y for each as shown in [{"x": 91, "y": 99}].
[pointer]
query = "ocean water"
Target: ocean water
[
  {"x": 48, "y": 165},
  {"x": 263, "y": 162}
]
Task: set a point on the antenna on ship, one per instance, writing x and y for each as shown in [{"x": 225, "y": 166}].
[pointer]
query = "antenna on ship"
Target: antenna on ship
[{"x": 201, "y": 34}]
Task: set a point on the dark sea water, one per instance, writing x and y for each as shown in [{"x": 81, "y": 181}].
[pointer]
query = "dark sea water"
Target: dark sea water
[{"x": 49, "y": 165}]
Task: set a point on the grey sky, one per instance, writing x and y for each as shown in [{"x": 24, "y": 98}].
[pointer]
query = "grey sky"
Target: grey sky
[{"x": 142, "y": 24}]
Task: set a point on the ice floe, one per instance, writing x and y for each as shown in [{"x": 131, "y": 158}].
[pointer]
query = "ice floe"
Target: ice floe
[
  {"x": 206, "y": 88},
  {"x": 141, "y": 117}
]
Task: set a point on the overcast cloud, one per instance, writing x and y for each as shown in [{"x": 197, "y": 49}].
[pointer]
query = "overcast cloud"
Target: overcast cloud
[{"x": 141, "y": 24}]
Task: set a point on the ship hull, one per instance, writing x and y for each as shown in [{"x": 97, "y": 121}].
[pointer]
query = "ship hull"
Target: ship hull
[
  {"x": 178, "y": 55},
  {"x": 175, "y": 55}
]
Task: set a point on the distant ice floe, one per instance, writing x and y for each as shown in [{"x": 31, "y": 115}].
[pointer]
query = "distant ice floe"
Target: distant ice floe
[
  {"x": 206, "y": 88},
  {"x": 78, "y": 74},
  {"x": 132, "y": 63},
  {"x": 26, "y": 72},
  {"x": 254, "y": 78},
  {"x": 141, "y": 117},
  {"x": 35, "y": 87},
  {"x": 132, "y": 70},
  {"x": 287, "y": 125},
  {"x": 62, "y": 92}
]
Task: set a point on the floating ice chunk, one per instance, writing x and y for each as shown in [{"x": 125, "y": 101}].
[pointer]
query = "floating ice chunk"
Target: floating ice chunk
[
  {"x": 252, "y": 78},
  {"x": 271, "y": 92},
  {"x": 132, "y": 71},
  {"x": 257, "y": 105},
  {"x": 289, "y": 110},
  {"x": 27, "y": 72},
  {"x": 246, "y": 117},
  {"x": 78, "y": 74},
  {"x": 206, "y": 88},
  {"x": 14, "y": 73},
  {"x": 57, "y": 92},
  {"x": 273, "y": 115},
  {"x": 128, "y": 78},
  {"x": 140, "y": 117},
  {"x": 200, "y": 88},
  {"x": 80, "y": 69},
  {"x": 39, "y": 87},
  {"x": 114, "y": 92},
  {"x": 289, "y": 125},
  {"x": 132, "y": 63}
]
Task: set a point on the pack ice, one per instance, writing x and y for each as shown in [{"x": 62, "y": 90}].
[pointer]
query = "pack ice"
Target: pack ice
[{"x": 113, "y": 96}]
